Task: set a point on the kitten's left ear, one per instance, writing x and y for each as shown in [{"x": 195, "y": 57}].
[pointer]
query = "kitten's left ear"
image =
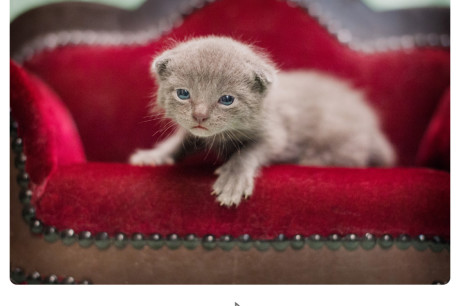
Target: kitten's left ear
[{"x": 159, "y": 65}]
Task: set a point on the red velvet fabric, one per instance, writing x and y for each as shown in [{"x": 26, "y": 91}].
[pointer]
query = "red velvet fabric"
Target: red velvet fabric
[
  {"x": 107, "y": 90},
  {"x": 289, "y": 199},
  {"x": 435, "y": 146},
  {"x": 45, "y": 125}
]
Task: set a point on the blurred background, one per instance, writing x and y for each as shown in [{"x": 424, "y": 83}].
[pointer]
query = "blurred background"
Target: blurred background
[{"x": 17, "y": 7}]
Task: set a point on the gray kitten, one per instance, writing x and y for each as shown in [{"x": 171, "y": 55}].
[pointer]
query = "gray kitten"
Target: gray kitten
[{"x": 228, "y": 96}]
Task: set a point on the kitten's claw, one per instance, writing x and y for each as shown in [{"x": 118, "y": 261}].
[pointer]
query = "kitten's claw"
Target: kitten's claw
[
  {"x": 225, "y": 201},
  {"x": 230, "y": 189}
]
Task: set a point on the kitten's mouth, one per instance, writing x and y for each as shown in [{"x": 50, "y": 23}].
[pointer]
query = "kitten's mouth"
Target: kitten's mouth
[{"x": 199, "y": 127}]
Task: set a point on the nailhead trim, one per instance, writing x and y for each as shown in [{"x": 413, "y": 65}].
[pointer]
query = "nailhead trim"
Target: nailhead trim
[
  {"x": 120, "y": 240},
  {"x": 333, "y": 242},
  {"x": 85, "y": 239},
  {"x": 155, "y": 241},
  {"x": 209, "y": 242},
  {"x": 191, "y": 241},
  {"x": 18, "y": 276},
  {"x": 280, "y": 243},
  {"x": 173, "y": 241},
  {"x": 51, "y": 234},
  {"x": 51, "y": 280},
  {"x": 138, "y": 241},
  {"x": 68, "y": 236},
  {"x": 102, "y": 240},
  {"x": 226, "y": 242}
]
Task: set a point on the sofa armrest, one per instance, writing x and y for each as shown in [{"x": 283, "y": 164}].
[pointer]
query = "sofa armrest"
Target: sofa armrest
[
  {"x": 434, "y": 150},
  {"x": 45, "y": 126}
]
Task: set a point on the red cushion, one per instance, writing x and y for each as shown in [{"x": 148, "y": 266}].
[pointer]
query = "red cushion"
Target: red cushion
[
  {"x": 47, "y": 128},
  {"x": 435, "y": 146},
  {"x": 288, "y": 199},
  {"x": 107, "y": 91}
]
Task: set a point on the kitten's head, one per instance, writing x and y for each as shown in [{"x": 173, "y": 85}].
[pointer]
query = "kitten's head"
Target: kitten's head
[{"x": 214, "y": 84}]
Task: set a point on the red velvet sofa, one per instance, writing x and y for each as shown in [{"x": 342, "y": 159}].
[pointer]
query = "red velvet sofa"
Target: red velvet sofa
[{"x": 79, "y": 105}]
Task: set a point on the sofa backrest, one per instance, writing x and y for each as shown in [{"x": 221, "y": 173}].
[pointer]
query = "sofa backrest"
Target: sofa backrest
[{"x": 108, "y": 88}]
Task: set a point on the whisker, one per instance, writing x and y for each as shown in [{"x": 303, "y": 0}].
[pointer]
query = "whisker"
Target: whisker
[
  {"x": 229, "y": 136},
  {"x": 219, "y": 145},
  {"x": 171, "y": 129},
  {"x": 152, "y": 117},
  {"x": 245, "y": 135},
  {"x": 163, "y": 130},
  {"x": 148, "y": 120},
  {"x": 210, "y": 147},
  {"x": 194, "y": 143},
  {"x": 236, "y": 138}
]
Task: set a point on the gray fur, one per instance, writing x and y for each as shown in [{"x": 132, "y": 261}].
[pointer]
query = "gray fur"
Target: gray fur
[{"x": 303, "y": 117}]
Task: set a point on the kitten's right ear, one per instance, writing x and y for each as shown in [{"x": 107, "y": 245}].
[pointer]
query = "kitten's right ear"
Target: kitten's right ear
[
  {"x": 264, "y": 76},
  {"x": 159, "y": 66}
]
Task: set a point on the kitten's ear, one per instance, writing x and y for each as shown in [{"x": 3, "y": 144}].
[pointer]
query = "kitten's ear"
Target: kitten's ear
[
  {"x": 264, "y": 76},
  {"x": 159, "y": 66}
]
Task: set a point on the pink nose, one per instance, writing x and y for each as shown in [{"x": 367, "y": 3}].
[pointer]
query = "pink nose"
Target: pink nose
[{"x": 200, "y": 118}]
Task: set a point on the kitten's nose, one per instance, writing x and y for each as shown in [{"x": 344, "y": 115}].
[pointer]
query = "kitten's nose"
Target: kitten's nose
[
  {"x": 200, "y": 113},
  {"x": 200, "y": 117}
]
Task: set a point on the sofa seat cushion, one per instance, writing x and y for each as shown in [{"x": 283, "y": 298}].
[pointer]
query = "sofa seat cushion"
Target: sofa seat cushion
[{"x": 288, "y": 200}]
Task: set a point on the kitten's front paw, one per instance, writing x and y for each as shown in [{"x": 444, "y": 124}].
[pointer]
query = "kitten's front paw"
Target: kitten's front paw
[
  {"x": 230, "y": 187},
  {"x": 151, "y": 157}
]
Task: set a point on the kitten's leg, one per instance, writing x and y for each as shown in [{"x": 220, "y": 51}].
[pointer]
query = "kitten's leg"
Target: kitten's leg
[
  {"x": 236, "y": 176},
  {"x": 163, "y": 153}
]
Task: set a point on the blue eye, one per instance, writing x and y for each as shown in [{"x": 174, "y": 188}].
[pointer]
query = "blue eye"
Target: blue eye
[
  {"x": 226, "y": 100},
  {"x": 183, "y": 94}
]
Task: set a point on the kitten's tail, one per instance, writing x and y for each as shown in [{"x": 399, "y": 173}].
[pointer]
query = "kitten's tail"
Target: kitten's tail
[{"x": 382, "y": 153}]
